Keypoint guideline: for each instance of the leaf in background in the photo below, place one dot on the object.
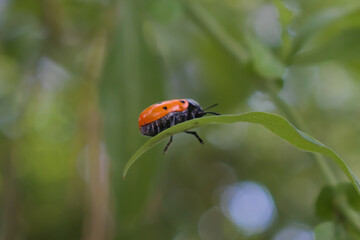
(285, 15)
(351, 196)
(315, 24)
(275, 123)
(327, 203)
(343, 47)
(285, 18)
(264, 61)
(325, 231)
(324, 205)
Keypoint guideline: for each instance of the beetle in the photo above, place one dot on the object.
(161, 116)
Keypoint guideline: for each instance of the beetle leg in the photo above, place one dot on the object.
(168, 144)
(195, 134)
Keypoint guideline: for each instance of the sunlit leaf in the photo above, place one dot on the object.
(275, 123)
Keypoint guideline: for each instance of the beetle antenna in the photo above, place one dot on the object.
(214, 113)
(214, 105)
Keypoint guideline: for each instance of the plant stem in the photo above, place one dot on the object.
(97, 198)
(217, 33)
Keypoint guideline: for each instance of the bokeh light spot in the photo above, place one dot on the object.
(296, 232)
(260, 101)
(249, 206)
(267, 26)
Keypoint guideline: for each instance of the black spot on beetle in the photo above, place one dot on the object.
(165, 107)
(182, 101)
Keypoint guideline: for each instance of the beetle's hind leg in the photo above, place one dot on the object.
(168, 144)
(195, 134)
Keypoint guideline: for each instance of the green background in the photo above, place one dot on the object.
(75, 75)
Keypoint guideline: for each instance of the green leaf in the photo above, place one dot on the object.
(343, 47)
(352, 197)
(265, 63)
(285, 15)
(325, 206)
(323, 20)
(325, 231)
(275, 123)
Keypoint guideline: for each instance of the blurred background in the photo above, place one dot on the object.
(76, 74)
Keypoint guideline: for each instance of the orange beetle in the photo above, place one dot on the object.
(160, 116)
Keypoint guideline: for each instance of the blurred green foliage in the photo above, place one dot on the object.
(75, 74)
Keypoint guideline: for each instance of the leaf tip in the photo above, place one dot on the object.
(125, 172)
